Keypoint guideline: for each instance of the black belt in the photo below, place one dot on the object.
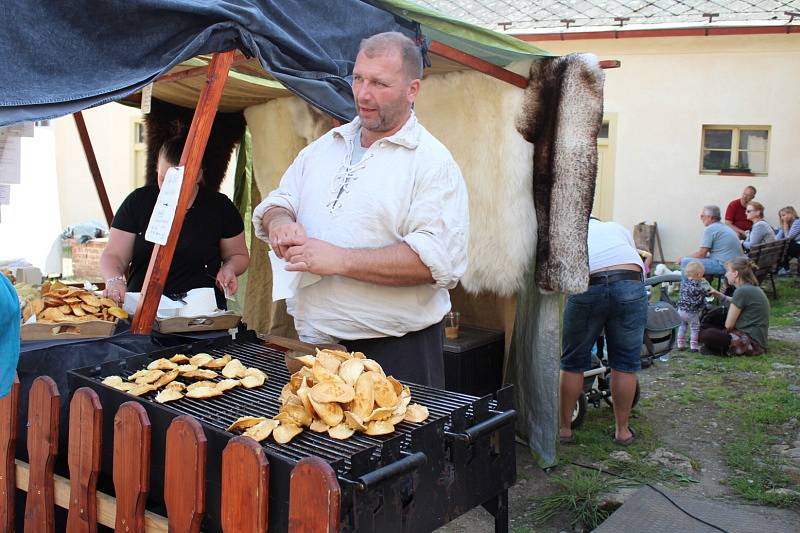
(610, 276)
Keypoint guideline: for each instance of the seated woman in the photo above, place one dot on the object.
(789, 229)
(210, 251)
(761, 231)
(747, 322)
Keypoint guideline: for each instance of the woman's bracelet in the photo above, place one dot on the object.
(115, 279)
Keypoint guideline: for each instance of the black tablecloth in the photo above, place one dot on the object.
(56, 358)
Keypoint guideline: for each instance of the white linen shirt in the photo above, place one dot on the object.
(406, 188)
(610, 244)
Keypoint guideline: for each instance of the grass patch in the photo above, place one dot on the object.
(578, 495)
(784, 312)
(593, 445)
(754, 472)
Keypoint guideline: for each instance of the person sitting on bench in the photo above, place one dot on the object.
(761, 231)
(789, 229)
(718, 244)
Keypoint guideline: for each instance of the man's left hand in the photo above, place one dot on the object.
(315, 256)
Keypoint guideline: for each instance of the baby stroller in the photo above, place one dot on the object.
(660, 333)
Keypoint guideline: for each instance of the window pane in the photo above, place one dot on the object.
(138, 135)
(718, 139)
(603, 134)
(755, 161)
(753, 140)
(716, 159)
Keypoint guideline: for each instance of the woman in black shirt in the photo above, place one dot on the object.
(211, 249)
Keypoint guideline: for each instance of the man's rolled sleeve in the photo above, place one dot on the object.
(285, 196)
(438, 225)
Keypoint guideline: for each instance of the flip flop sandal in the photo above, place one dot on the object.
(625, 442)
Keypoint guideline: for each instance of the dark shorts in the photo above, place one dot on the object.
(416, 357)
(619, 308)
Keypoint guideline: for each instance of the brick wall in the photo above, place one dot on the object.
(86, 258)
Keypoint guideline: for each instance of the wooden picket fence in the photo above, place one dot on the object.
(314, 496)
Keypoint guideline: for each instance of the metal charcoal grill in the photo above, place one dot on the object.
(416, 479)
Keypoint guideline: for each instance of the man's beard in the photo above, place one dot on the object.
(386, 120)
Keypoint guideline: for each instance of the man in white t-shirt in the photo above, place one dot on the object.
(378, 208)
(615, 305)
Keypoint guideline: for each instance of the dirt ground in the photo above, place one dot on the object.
(694, 428)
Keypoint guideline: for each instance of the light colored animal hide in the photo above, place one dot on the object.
(562, 116)
(473, 116)
(280, 129)
(307, 121)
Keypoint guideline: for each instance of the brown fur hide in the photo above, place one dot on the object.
(561, 116)
(166, 120)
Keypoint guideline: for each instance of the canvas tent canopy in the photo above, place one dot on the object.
(92, 56)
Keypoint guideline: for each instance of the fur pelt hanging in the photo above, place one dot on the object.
(562, 114)
(167, 120)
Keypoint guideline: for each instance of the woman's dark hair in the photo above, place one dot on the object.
(744, 267)
(172, 149)
(166, 121)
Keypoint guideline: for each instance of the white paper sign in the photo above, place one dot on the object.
(10, 154)
(5, 194)
(164, 211)
(147, 98)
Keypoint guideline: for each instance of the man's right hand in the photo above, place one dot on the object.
(283, 234)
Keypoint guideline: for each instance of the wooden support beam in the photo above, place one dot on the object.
(106, 505)
(192, 156)
(610, 63)
(453, 54)
(197, 71)
(93, 167)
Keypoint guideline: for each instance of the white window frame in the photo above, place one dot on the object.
(734, 149)
(137, 148)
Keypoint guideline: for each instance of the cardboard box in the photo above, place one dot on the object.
(186, 324)
(67, 330)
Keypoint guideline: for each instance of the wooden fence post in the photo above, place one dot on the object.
(43, 413)
(83, 456)
(9, 408)
(131, 466)
(185, 475)
(245, 485)
(314, 497)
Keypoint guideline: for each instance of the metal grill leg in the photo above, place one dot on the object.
(498, 506)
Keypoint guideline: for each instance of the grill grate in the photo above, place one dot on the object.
(221, 411)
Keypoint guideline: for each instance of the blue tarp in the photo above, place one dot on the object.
(63, 56)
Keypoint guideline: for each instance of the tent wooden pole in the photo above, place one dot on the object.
(93, 167)
(453, 54)
(196, 71)
(191, 158)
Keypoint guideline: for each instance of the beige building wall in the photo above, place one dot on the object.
(666, 90)
(111, 130)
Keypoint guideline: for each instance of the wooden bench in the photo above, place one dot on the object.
(767, 258)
